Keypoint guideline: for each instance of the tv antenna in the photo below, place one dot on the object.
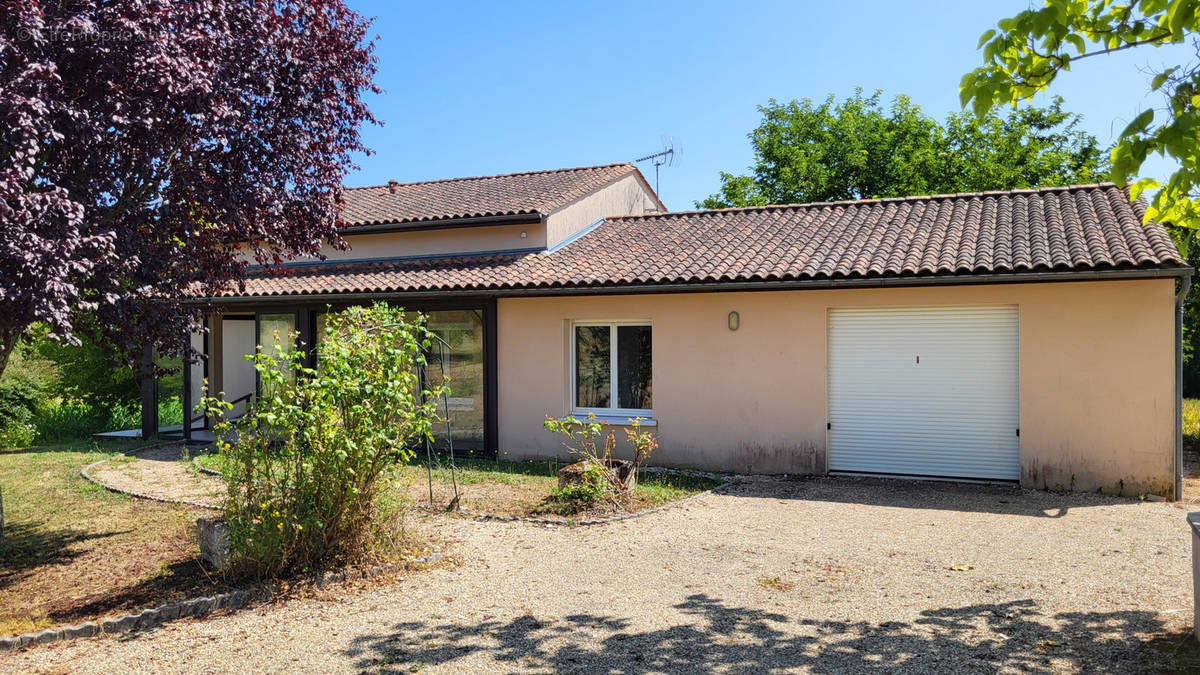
(664, 158)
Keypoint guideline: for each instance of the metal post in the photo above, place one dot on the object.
(449, 428)
(187, 390)
(428, 444)
(149, 394)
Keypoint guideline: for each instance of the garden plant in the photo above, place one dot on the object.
(596, 478)
(313, 468)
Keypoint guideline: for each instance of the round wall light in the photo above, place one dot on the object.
(735, 321)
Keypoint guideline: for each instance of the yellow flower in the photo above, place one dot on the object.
(299, 527)
(279, 525)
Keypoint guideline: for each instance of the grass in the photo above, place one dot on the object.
(73, 551)
(1191, 420)
(513, 488)
(520, 488)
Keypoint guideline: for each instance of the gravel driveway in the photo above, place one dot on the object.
(820, 575)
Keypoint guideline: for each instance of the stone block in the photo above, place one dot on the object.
(84, 630)
(213, 534)
(47, 636)
(120, 624)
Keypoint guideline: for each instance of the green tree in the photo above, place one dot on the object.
(1025, 53)
(808, 152)
(86, 371)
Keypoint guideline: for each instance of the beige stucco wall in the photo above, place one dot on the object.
(475, 239)
(1096, 376)
(440, 242)
(624, 197)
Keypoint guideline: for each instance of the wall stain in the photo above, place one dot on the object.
(805, 458)
(1063, 476)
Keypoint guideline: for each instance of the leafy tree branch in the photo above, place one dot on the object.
(1024, 54)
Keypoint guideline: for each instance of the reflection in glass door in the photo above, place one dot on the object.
(463, 332)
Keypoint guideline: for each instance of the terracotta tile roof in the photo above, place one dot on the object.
(532, 192)
(1091, 227)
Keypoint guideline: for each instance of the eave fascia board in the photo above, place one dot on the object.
(725, 286)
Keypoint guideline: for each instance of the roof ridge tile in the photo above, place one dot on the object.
(514, 174)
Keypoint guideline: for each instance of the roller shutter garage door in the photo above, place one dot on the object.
(924, 391)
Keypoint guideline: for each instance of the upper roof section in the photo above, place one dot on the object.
(513, 194)
(1084, 227)
(1051, 230)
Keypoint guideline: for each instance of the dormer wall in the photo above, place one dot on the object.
(627, 196)
(444, 241)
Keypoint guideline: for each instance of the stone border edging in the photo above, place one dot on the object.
(137, 621)
(86, 473)
(193, 608)
(204, 469)
(188, 609)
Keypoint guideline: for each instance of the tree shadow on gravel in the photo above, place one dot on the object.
(976, 638)
(921, 494)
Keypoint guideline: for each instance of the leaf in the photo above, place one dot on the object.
(983, 39)
(1161, 78)
(1139, 123)
(961, 567)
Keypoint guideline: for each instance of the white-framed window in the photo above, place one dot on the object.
(611, 368)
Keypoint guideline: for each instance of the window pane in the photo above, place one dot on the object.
(463, 332)
(633, 367)
(593, 362)
(283, 326)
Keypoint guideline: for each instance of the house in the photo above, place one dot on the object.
(1028, 336)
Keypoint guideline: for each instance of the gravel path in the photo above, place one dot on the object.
(821, 575)
(161, 471)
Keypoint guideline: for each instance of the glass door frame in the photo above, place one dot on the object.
(306, 325)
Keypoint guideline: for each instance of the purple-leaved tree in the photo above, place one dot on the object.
(143, 142)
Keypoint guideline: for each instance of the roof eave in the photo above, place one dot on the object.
(1171, 272)
(527, 218)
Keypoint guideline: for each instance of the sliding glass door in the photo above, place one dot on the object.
(459, 356)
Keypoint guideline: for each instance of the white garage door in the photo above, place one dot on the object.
(924, 391)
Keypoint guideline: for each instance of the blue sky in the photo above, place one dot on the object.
(487, 87)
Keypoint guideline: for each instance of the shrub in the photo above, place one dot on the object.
(69, 420)
(16, 434)
(88, 373)
(592, 489)
(599, 477)
(312, 468)
(19, 400)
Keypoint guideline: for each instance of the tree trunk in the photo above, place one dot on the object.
(8, 341)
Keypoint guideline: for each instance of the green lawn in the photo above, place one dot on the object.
(519, 488)
(73, 551)
(1191, 420)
